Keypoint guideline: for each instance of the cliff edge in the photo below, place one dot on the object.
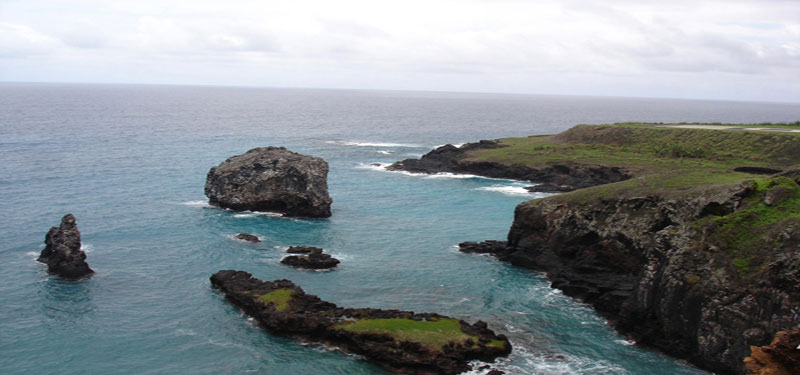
(697, 254)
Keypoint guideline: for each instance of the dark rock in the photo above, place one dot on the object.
(495, 371)
(560, 177)
(271, 179)
(655, 274)
(756, 170)
(303, 249)
(62, 252)
(314, 258)
(306, 317)
(248, 237)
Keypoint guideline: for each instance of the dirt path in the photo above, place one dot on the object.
(689, 126)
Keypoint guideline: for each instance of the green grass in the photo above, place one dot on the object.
(279, 298)
(741, 234)
(433, 334)
(648, 149)
(499, 344)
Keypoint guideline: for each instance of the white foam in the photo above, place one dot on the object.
(34, 254)
(372, 144)
(384, 152)
(87, 248)
(625, 342)
(507, 190)
(374, 166)
(196, 204)
(249, 214)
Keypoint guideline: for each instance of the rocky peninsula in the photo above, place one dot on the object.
(401, 341)
(271, 179)
(694, 253)
(62, 252)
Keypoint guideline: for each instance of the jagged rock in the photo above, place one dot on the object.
(781, 357)
(654, 268)
(62, 252)
(248, 237)
(314, 258)
(560, 177)
(302, 249)
(271, 179)
(485, 247)
(282, 307)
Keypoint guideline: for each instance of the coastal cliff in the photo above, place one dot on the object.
(696, 254)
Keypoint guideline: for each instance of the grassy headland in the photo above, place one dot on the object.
(667, 159)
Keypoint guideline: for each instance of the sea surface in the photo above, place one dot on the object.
(130, 163)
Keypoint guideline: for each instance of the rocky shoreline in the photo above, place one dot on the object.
(658, 267)
(557, 177)
(401, 341)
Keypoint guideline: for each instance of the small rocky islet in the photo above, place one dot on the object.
(271, 179)
(401, 341)
(310, 257)
(62, 252)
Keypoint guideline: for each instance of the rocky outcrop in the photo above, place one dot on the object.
(557, 177)
(248, 237)
(62, 252)
(394, 339)
(781, 357)
(690, 275)
(271, 179)
(314, 259)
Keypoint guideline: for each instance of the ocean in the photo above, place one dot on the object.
(130, 163)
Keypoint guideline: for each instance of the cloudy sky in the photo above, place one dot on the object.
(730, 49)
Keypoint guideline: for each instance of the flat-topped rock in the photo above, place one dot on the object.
(314, 258)
(401, 341)
(62, 253)
(271, 179)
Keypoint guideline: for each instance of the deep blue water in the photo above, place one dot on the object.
(130, 163)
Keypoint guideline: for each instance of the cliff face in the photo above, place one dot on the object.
(678, 273)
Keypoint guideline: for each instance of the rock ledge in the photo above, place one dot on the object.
(401, 341)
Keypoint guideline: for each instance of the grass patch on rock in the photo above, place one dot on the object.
(433, 334)
(279, 298)
(742, 234)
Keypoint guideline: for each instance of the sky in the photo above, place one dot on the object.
(728, 50)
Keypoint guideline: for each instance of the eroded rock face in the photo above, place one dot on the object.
(781, 357)
(282, 307)
(314, 258)
(62, 252)
(649, 266)
(560, 177)
(271, 179)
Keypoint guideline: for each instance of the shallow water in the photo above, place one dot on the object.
(130, 163)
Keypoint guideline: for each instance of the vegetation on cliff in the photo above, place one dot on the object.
(695, 253)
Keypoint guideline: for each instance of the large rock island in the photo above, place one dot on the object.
(271, 179)
(697, 254)
(401, 341)
(62, 252)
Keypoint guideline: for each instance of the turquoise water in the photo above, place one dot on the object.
(130, 163)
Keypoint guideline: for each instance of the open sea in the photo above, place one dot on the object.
(130, 163)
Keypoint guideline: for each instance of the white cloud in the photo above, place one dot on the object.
(542, 46)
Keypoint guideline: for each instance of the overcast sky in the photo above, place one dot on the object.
(730, 49)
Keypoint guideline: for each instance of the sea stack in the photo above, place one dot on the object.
(62, 252)
(271, 179)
